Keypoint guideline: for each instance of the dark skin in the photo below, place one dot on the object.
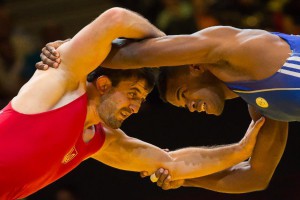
(248, 176)
(227, 54)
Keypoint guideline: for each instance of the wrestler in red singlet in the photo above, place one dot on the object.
(37, 149)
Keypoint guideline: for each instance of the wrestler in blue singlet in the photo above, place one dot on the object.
(276, 97)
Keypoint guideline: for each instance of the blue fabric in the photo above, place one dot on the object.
(277, 97)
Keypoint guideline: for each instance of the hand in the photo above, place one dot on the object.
(49, 56)
(164, 179)
(254, 113)
(249, 140)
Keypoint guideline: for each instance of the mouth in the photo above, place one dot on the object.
(124, 114)
(202, 107)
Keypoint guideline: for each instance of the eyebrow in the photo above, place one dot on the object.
(136, 89)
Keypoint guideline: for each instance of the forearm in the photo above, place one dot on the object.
(198, 162)
(133, 54)
(254, 174)
(131, 154)
(241, 180)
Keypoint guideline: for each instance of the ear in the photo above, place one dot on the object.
(196, 70)
(103, 84)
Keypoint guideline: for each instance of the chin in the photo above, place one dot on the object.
(216, 112)
(114, 124)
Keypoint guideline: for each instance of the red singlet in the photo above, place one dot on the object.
(37, 149)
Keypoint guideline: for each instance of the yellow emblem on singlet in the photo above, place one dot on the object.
(261, 102)
(70, 155)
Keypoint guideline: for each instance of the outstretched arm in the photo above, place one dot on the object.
(252, 175)
(123, 152)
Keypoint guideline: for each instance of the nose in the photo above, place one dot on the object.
(191, 106)
(135, 107)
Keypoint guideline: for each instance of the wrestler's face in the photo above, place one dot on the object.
(121, 101)
(200, 92)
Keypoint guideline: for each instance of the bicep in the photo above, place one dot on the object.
(87, 49)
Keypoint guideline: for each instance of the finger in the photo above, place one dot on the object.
(143, 174)
(41, 66)
(162, 178)
(260, 122)
(164, 175)
(166, 185)
(48, 62)
(51, 55)
(153, 178)
(167, 179)
(255, 126)
(51, 47)
(159, 172)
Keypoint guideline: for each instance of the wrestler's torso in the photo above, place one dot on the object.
(278, 96)
(244, 54)
(38, 149)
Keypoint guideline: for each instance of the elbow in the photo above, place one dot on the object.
(260, 182)
(115, 15)
(263, 185)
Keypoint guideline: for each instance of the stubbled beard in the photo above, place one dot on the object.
(107, 112)
(112, 122)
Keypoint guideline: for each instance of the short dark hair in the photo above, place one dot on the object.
(117, 75)
(162, 83)
(165, 74)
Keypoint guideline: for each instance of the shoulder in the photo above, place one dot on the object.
(47, 90)
(112, 134)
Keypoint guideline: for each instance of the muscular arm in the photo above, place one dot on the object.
(89, 47)
(255, 174)
(204, 46)
(123, 152)
(79, 56)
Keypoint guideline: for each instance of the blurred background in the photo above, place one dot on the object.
(26, 26)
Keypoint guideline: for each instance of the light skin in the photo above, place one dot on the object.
(216, 55)
(248, 176)
(111, 105)
(256, 55)
(219, 54)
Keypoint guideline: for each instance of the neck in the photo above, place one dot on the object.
(92, 117)
(229, 94)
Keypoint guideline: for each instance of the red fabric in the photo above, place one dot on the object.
(37, 149)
